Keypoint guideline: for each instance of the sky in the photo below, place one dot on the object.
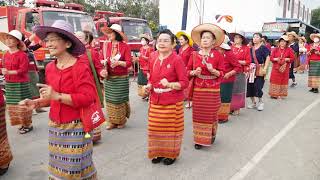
(312, 3)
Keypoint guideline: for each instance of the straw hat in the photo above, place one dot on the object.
(216, 30)
(16, 34)
(65, 28)
(303, 39)
(180, 33)
(114, 28)
(241, 34)
(294, 34)
(225, 44)
(284, 37)
(146, 36)
(312, 36)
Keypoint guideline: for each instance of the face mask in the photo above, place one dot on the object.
(143, 42)
(316, 40)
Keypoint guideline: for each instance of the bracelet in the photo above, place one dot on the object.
(60, 97)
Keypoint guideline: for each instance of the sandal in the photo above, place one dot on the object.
(4, 170)
(121, 126)
(20, 128)
(26, 130)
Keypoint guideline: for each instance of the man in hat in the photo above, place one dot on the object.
(292, 36)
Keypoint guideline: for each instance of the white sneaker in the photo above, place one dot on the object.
(252, 105)
(260, 106)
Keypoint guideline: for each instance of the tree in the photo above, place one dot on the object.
(315, 19)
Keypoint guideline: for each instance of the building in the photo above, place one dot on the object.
(248, 15)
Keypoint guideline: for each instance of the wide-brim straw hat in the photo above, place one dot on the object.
(65, 28)
(284, 37)
(146, 36)
(294, 34)
(312, 36)
(214, 29)
(181, 33)
(225, 44)
(16, 34)
(114, 28)
(241, 34)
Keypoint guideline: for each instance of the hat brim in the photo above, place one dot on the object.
(180, 33)
(78, 48)
(295, 35)
(108, 30)
(3, 37)
(244, 39)
(225, 46)
(146, 37)
(312, 36)
(214, 29)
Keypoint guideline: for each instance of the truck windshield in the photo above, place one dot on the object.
(133, 29)
(79, 21)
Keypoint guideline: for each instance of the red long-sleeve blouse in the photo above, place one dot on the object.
(313, 56)
(242, 54)
(144, 63)
(76, 81)
(230, 64)
(125, 52)
(282, 54)
(185, 54)
(196, 60)
(19, 62)
(95, 59)
(173, 69)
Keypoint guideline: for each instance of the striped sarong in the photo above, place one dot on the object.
(165, 130)
(16, 92)
(70, 153)
(117, 99)
(239, 92)
(96, 134)
(34, 79)
(314, 74)
(5, 152)
(226, 96)
(206, 103)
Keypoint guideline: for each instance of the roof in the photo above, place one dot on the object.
(127, 18)
(293, 20)
(270, 35)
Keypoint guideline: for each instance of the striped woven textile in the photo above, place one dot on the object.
(206, 103)
(239, 92)
(96, 134)
(276, 90)
(5, 152)
(34, 79)
(226, 96)
(165, 130)
(70, 153)
(19, 115)
(117, 89)
(314, 74)
(118, 113)
(16, 92)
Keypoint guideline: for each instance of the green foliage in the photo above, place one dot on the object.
(315, 19)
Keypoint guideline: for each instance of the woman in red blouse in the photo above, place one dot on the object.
(186, 49)
(118, 61)
(281, 57)
(206, 68)
(231, 68)
(242, 54)
(168, 78)
(143, 59)
(15, 65)
(92, 59)
(314, 63)
(69, 88)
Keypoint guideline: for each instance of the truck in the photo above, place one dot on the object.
(45, 12)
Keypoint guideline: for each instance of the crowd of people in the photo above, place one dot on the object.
(210, 71)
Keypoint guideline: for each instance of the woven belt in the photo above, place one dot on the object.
(206, 77)
(159, 90)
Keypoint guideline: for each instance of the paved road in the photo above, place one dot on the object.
(280, 143)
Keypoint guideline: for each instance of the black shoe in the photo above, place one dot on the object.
(3, 171)
(311, 90)
(316, 90)
(157, 160)
(222, 121)
(168, 161)
(197, 146)
(213, 139)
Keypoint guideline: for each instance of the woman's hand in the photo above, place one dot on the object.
(210, 67)
(287, 59)
(276, 59)
(104, 73)
(47, 92)
(242, 62)
(4, 71)
(164, 82)
(227, 75)
(198, 71)
(30, 104)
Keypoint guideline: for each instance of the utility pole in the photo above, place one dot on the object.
(185, 15)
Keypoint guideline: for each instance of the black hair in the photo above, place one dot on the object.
(185, 38)
(265, 37)
(257, 33)
(88, 36)
(167, 31)
(118, 36)
(148, 41)
(201, 34)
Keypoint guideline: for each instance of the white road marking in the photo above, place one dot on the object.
(244, 171)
